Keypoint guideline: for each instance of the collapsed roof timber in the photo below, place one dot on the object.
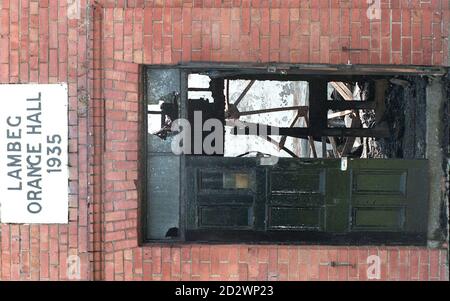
(309, 113)
(359, 115)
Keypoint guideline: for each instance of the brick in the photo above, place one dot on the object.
(114, 216)
(204, 271)
(185, 271)
(175, 259)
(263, 255)
(293, 273)
(274, 36)
(406, 51)
(345, 22)
(375, 34)
(426, 23)
(385, 23)
(393, 264)
(215, 35)
(427, 53)
(414, 265)
(324, 23)
(323, 273)
(253, 264)
(324, 49)
(245, 20)
(396, 37)
(265, 22)
(262, 272)
(284, 22)
(273, 264)
(406, 22)
(434, 263)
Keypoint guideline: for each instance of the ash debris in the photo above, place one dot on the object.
(404, 114)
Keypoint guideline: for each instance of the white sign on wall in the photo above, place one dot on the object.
(33, 153)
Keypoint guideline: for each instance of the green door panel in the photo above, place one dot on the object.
(225, 216)
(295, 198)
(383, 218)
(380, 181)
(337, 200)
(303, 181)
(298, 218)
(389, 195)
(220, 193)
(306, 195)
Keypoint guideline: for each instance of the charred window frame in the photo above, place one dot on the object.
(318, 75)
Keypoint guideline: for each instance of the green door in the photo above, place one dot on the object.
(305, 200)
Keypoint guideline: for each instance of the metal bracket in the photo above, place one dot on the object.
(335, 264)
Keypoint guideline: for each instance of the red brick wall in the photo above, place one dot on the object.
(40, 42)
(98, 52)
(314, 31)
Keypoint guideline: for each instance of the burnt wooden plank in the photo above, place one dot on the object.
(306, 132)
(317, 106)
(420, 118)
(350, 105)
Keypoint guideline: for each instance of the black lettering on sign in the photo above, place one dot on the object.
(34, 207)
(54, 152)
(34, 124)
(13, 152)
(28, 159)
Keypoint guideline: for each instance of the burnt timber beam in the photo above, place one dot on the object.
(284, 148)
(324, 147)
(283, 138)
(227, 94)
(333, 145)
(302, 109)
(199, 89)
(350, 141)
(342, 90)
(305, 132)
(250, 84)
(310, 139)
(318, 104)
(234, 68)
(339, 114)
(350, 105)
(336, 132)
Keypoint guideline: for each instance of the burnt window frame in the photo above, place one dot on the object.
(305, 71)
